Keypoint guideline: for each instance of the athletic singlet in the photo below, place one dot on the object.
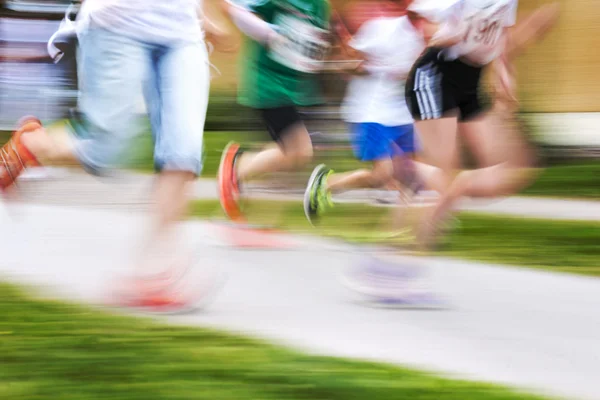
(483, 24)
(480, 23)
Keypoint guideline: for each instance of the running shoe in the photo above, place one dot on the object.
(153, 296)
(317, 198)
(172, 292)
(391, 284)
(228, 186)
(14, 156)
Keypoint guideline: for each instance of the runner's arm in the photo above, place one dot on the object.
(216, 29)
(358, 46)
(444, 35)
(439, 27)
(251, 24)
(531, 29)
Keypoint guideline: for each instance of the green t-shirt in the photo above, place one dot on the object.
(287, 74)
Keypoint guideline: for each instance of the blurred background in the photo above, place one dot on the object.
(559, 83)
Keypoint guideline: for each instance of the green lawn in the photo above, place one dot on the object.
(54, 350)
(575, 180)
(569, 246)
(580, 179)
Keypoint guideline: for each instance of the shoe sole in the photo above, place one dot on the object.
(226, 203)
(311, 181)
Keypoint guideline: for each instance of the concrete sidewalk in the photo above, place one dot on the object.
(131, 190)
(531, 329)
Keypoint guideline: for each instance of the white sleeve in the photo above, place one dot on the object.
(436, 11)
(451, 22)
(67, 30)
(365, 37)
(511, 17)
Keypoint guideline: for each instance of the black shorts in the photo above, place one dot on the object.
(437, 88)
(279, 120)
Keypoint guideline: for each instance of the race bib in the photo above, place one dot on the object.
(487, 26)
(305, 46)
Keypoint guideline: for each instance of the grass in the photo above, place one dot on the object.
(580, 180)
(54, 350)
(214, 142)
(566, 246)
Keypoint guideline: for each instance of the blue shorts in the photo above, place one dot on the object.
(372, 142)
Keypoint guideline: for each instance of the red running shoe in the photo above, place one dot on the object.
(14, 156)
(228, 186)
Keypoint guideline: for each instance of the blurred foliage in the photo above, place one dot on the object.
(54, 350)
(569, 246)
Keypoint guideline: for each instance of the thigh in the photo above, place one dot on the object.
(484, 141)
(438, 142)
(111, 71)
(180, 84)
(473, 107)
(286, 126)
(494, 140)
(280, 121)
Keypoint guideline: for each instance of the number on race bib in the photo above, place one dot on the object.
(486, 30)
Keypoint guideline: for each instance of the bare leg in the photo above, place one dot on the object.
(439, 146)
(506, 162)
(432, 177)
(294, 151)
(171, 196)
(51, 145)
(380, 175)
(439, 149)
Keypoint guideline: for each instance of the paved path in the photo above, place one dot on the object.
(514, 326)
(130, 190)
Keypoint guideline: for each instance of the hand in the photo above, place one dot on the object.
(222, 38)
(217, 29)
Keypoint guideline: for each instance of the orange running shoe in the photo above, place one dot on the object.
(229, 191)
(152, 295)
(14, 156)
(175, 291)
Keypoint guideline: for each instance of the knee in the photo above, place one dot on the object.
(299, 158)
(380, 177)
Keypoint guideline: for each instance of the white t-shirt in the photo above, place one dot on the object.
(483, 24)
(154, 21)
(391, 46)
(480, 23)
